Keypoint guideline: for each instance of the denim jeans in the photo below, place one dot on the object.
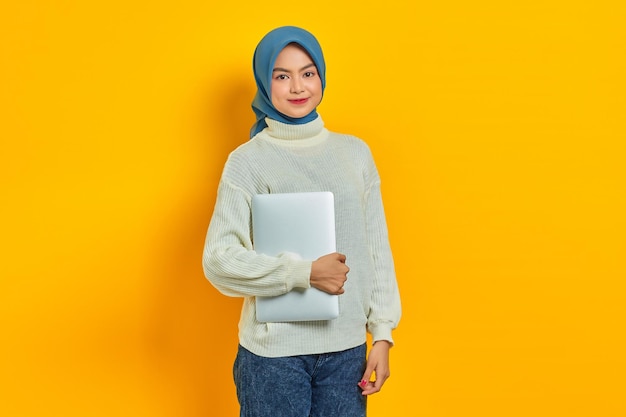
(323, 385)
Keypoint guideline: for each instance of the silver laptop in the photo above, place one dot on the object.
(302, 224)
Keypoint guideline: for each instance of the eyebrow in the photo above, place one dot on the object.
(301, 69)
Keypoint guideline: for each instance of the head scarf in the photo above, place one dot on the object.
(263, 63)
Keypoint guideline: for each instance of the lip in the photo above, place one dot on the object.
(299, 101)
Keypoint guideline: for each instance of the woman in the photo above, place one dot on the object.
(316, 368)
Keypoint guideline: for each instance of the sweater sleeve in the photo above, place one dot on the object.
(229, 261)
(385, 307)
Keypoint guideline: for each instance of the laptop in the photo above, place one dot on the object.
(302, 224)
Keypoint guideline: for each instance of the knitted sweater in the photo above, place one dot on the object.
(286, 158)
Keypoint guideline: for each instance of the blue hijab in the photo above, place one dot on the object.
(263, 63)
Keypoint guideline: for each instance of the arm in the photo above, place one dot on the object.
(235, 269)
(230, 262)
(385, 307)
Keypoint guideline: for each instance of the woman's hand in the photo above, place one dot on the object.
(329, 273)
(378, 363)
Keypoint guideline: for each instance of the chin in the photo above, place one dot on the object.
(297, 115)
(305, 112)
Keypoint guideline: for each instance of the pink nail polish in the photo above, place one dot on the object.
(363, 383)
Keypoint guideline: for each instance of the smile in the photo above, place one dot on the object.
(299, 101)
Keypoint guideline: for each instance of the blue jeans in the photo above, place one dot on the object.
(323, 385)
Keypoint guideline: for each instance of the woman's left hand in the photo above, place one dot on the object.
(378, 363)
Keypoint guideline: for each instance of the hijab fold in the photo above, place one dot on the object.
(265, 56)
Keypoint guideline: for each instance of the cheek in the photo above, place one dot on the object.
(316, 86)
(274, 93)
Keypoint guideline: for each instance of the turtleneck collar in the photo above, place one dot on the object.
(310, 133)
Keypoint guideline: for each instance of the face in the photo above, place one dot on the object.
(296, 85)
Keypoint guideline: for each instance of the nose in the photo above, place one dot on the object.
(296, 85)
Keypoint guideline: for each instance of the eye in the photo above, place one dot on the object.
(281, 77)
(309, 74)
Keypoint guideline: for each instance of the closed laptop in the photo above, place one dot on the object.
(302, 224)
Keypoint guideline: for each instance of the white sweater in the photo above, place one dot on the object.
(298, 158)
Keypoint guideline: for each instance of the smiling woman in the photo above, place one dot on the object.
(320, 368)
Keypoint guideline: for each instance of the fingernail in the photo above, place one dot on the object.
(363, 383)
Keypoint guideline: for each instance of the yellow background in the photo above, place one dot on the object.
(499, 132)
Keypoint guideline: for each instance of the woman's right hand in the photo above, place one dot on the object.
(329, 273)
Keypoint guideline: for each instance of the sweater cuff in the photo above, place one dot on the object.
(381, 331)
(300, 274)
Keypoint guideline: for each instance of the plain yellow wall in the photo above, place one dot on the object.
(499, 131)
